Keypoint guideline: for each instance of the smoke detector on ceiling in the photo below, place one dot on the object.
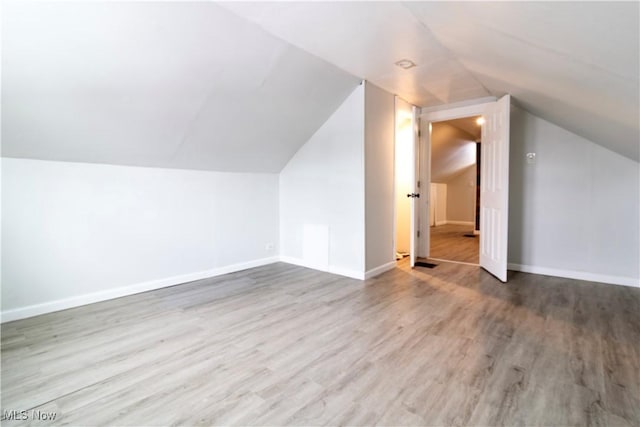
(406, 64)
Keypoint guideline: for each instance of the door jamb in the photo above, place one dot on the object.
(427, 118)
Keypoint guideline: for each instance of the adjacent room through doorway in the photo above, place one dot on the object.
(455, 190)
(404, 175)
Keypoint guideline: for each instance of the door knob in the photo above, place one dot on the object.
(414, 195)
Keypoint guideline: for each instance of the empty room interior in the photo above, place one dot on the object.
(320, 213)
(455, 189)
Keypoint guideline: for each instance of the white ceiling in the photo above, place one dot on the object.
(367, 39)
(573, 63)
(178, 85)
(469, 125)
(241, 86)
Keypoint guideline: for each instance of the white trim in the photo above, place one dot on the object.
(424, 171)
(353, 274)
(468, 108)
(395, 176)
(469, 223)
(328, 269)
(438, 223)
(578, 275)
(302, 263)
(380, 269)
(79, 300)
(469, 102)
(448, 113)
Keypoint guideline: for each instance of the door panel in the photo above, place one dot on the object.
(494, 189)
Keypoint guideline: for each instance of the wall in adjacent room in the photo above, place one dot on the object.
(438, 204)
(452, 150)
(461, 189)
(75, 233)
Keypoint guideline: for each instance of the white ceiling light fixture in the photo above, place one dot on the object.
(480, 121)
(406, 64)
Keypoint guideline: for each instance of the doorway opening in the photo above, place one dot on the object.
(455, 190)
(494, 180)
(405, 176)
(491, 206)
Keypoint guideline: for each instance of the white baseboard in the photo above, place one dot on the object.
(469, 223)
(578, 275)
(354, 274)
(76, 301)
(346, 272)
(445, 222)
(380, 269)
(79, 300)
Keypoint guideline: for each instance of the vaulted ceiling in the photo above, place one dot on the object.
(241, 86)
(575, 64)
(176, 85)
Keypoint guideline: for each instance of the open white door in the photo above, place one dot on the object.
(494, 188)
(415, 191)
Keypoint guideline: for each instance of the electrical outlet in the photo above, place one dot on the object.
(269, 246)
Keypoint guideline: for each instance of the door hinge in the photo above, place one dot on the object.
(418, 184)
(418, 233)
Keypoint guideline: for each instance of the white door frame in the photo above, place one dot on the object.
(426, 119)
(395, 178)
(415, 187)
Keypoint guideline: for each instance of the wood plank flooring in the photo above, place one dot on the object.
(449, 243)
(284, 345)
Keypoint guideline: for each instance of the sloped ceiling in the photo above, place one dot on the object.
(575, 64)
(469, 125)
(453, 150)
(241, 86)
(367, 39)
(572, 63)
(177, 85)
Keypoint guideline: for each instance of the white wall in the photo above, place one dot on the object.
(438, 204)
(461, 190)
(403, 165)
(379, 177)
(322, 195)
(576, 211)
(74, 233)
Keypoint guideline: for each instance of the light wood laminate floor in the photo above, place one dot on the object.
(448, 242)
(284, 345)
